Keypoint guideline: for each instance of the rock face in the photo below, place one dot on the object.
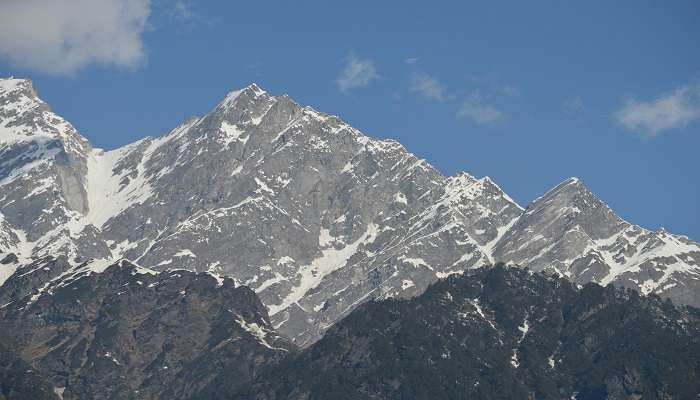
(499, 333)
(571, 232)
(311, 214)
(122, 332)
(43, 162)
(19, 381)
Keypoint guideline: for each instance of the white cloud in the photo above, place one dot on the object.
(475, 108)
(674, 109)
(428, 87)
(573, 106)
(60, 37)
(411, 60)
(357, 73)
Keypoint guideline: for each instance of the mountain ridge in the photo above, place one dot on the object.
(317, 216)
(122, 331)
(496, 333)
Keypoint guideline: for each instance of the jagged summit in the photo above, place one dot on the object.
(571, 201)
(237, 97)
(568, 187)
(12, 85)
(572, 181)
(461, 179)
(26, 118)
(309, 212)
(255, 88)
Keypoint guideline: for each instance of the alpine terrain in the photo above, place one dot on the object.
(308, 212)
(125, 332)
(498, 333)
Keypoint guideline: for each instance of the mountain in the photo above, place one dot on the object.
(572, 233)
(19, 381)
(314, 216)
(43, 163)
(122, 332)
(498, 333)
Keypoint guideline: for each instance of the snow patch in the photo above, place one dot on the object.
(257, 332)
(331, 259)
(185, 253)
(232, 133)
(400, 198)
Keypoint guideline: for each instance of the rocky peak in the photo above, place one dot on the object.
(312, 214)
(27, 119)
(243, 102)
(460, 181)
(574, 206)
(16, 87)
(252, 90)
(568, 190)
(467, 188)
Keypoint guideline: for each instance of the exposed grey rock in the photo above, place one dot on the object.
(43, 162)
(571, 232)
(313, 215)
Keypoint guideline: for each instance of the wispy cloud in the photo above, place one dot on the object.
(411, 60)
(357, 73)
(671, 110)
(493, 85)
(573, 106)
(481, 103)
(60, 37)
(427, 86)
(484, 101)
(477, 109)
(183, 13)
(182, 10)
(509, 90)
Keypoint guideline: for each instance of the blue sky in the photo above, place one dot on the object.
(528, 93)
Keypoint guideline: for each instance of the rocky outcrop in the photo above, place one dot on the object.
(19, 381)
(121, 331)
(499, 333)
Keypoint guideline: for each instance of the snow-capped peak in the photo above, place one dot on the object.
(460, 181)
(464, 184)
(11, 85)
(250, 91)
(572, 181)
(286, 192)
(24, 117)
(570, 184)
(568, 190)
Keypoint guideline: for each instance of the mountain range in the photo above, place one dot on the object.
(496, 332)
(307, 211)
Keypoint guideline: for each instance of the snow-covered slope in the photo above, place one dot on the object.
(306, 210)
(43, 163)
